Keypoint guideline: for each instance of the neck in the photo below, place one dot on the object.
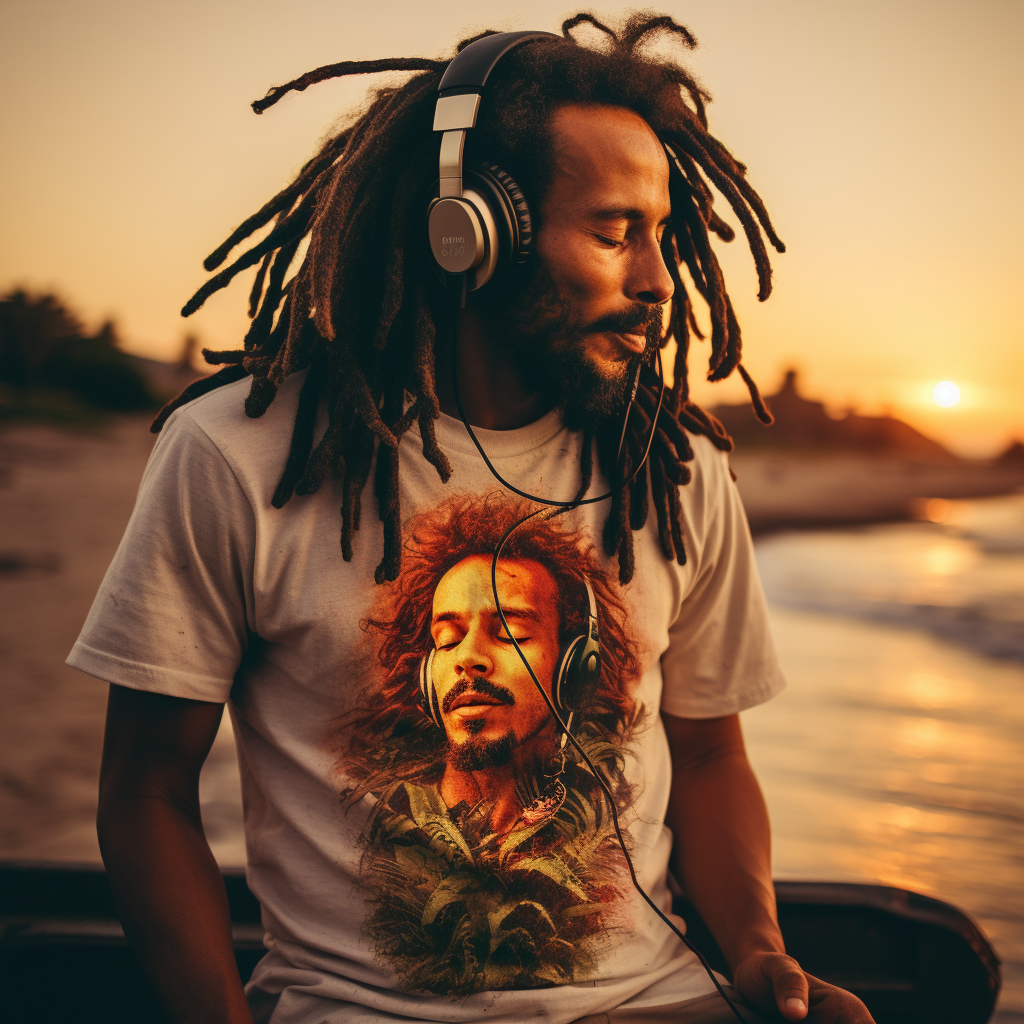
(494, 391)
(497, 786)
(494, 786)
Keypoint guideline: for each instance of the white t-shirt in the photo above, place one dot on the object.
(464, 868)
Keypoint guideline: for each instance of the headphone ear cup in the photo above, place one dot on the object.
(579, 671)
(510, 209)
(523, 242)
(562, 687)
(428, 695)
(578, 675)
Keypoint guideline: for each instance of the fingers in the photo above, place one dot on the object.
(765, 979)
(789, 985)
(835, 1004)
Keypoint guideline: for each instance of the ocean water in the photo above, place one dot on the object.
(958, 572)
(896, 755)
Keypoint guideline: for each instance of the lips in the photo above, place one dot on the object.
(473, 699)
(475, 691)
(635, 343)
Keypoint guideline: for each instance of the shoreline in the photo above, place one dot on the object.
(786, 490)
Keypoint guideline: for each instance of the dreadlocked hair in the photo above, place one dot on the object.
(363, 309)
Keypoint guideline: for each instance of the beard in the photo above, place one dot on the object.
(550, 338)
(476, 755)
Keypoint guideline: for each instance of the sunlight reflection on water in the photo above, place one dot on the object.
(895, 757)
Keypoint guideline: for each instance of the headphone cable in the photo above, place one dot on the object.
(576, 502)
(596, 772)
(565, 506)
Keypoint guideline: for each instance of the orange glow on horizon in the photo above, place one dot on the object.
(134, 152)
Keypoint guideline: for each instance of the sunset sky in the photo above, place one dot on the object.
(886, 138)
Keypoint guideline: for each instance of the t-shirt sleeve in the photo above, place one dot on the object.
(721, 657)
(175, 609)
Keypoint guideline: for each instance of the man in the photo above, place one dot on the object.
(229, 587)
(524, 885)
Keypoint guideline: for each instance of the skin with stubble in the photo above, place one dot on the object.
(496, 720)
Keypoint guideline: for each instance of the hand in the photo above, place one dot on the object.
(775, 981)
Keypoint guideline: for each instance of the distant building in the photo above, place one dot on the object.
(804, 424)
(1012, 457)
(165, 380)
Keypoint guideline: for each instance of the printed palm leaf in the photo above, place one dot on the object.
(451, 890)
(518, 837)
(606, 754)
(430, 814)
(594, 832)
(557, 870)
(525, 947)
(536, 913)
(412, 863)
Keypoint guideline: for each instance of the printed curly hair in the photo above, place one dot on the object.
(390, 713)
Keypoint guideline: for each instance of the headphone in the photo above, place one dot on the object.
(572, 685)
(480, 218)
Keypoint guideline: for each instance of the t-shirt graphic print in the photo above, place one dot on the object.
(490, 854)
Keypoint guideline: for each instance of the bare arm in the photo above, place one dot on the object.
(166, 883)
(722, 858)
(723, 848)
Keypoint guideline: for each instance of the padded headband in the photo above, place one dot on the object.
(472, 65)
(458, 101)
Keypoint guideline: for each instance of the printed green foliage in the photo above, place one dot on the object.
(557, 870)
(458, 909)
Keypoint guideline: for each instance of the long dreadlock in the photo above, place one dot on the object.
(362, 311)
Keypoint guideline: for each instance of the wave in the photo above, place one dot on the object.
(981, 627)
(959, 575)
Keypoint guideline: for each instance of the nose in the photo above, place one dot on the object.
(473, 657)
(650, 280)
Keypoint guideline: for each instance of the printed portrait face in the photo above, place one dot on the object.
(489, 704)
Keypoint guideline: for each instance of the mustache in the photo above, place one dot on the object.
(477, 685)
(638, 318)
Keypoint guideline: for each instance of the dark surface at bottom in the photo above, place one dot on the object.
(912, 959)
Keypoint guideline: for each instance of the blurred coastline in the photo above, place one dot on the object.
(894, 756)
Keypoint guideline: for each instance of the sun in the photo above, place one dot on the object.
(946, 394)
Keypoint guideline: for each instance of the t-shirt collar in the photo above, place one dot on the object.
(500, 444)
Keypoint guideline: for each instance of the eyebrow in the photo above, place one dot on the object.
(510, 613)
(446, 617)
(631, 213)
(519, 613)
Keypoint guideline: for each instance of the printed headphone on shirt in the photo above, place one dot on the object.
(480, 218)
(573, 683)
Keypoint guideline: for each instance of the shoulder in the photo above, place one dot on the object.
(711, 481)
(218, 420)
(220, 413)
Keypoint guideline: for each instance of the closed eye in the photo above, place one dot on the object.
(611, 243)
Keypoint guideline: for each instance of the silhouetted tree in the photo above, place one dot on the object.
(44, 346)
